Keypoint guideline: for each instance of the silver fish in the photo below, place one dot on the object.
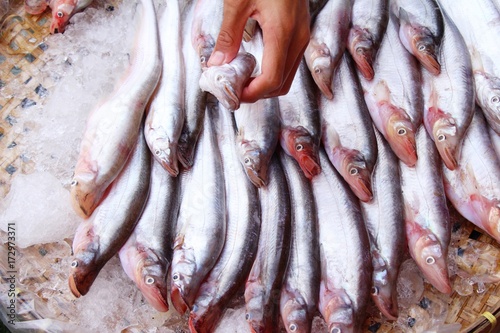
(202, 220)
(474, 187)
(196, 99)
(328, 41)
(98, 239)
(166, 113)
(369, 21)
(300, 288)
(347, 131)
(258, 134)
(479, 23)
(147, 255)
(449, 96)
(495, 140)
(427, 220)
(205, 27)
(300, 122)
(242, 233)
(346, 268)
(385, 224)
(396, 113)
(113, 126)
(264, 281)
(421, 30)
(226, 82)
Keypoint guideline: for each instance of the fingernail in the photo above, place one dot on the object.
(216, 59)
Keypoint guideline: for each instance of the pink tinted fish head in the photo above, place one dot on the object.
(60, 17)
(294, 314)
(299, 144)
(447, 141)
(401, 137)
(356, 173)
(362, 50)
(320, 65)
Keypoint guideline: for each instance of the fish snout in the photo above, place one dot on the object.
(177, 296)
(359, 180)
(309, 165)
(154, 290)
(386, 300)
(81, 277)
(425, 52)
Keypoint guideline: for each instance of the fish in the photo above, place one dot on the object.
(495, 140)
(114, 125)
(205, 27)
(344, 252)
(478, 23)
(347, 131)
(226, 82)
(202, 220)
(257, 137)
(147, 254)
(300, 132)
(264, 281)
(384, 222)
(426, 215)
(473, 188)
(242, 232)
(195, 98)
(328, 41)
(63, 10)
(315, 7)
(449, 97)
(166, 113)
(35, 7)
(369, 21)
(300, 286)
(98, 239)
(421, 30)
(396, 113)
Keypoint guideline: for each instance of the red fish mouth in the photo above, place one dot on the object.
(448, 157)
(429, 61)
(387, 302)
(153, 295)
(309, 165)
(255, 178)
(325, 86)
(178, 301)
(361, 185)
(364, 60)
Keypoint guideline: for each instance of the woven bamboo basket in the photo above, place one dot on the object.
(22, 43)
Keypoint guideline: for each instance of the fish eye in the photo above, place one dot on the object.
(495, 99)
(149, 280)
(292, 327)
(175, 277)
(247, 316)
(74, 263)
(74, 182)
(317, 70)
(401, 131)
(60, 14)
(441, 137)
(336, 330)
(247, 160)
(430, 260)
(421, 47)
(202, 59)
(353, 171)
(374, 291)
(218, 77)
(299, 147)
(157, 152)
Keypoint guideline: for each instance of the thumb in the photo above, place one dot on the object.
(230, 34)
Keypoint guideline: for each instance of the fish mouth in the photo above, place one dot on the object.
(427, 58)
(430, 258)
(309, 165)
(178, 300)
(323, 74)
(156, 296)
(361, 185)
(231, 100)
(448, 156)
(185, 155)
(256, 178)
(387, 302)
(80, 282)
(363, 58)
(405, 148)
(168, 160)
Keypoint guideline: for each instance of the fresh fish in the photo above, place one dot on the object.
(147, 255)
(114, 125)
(386, 230)
(264, 281)
(427, 219)
(242, 233)
(166, 113)
(449, 96)
(421, 29)
(369, 21)
(300, 287)
(226, 82)
(347, 131)
(396, 113)
(101, 237)
(479, 23)
(315, 7)
(202, 220)
(35, 7)
(196, 99)
(205, 28)
(328, 41)
(300, 123)
(474, 187)
(63, 10)
(258, 134)
(346, 268)
(495, 141)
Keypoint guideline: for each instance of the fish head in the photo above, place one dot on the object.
(256, 170)
(488, 93)
(85, 196)
(299, 144)
(218, 80)
(425, 49)
(338, 312)
(166, 153)
(401, 137)
(430, 257)
(295, 315)
(84, 267)
(362, 49)
(183, 268)
(444, 132)
(357, 174)
(203, 319)
(320, 63)
(255, 307)
(488, 214)
(60, 17)
(383, 291)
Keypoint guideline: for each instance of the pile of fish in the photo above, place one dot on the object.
(62, 11)
(308, 200)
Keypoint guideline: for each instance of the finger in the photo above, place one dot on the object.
(230, 34)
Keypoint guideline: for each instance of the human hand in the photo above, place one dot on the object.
(285, 30)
